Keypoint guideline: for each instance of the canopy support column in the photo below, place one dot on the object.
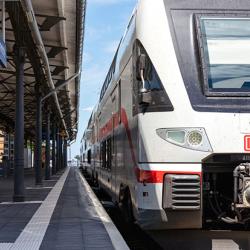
(60, 152)
(38, 145)
(19, 191)
(53, 148)
(65, 153)
(47, 152)
(57, 150)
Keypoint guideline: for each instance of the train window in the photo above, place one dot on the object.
(152, 81)
(159, 100)
(103, 154)
(106, 154)
(89, 156)
(109, 153)
(226, 49)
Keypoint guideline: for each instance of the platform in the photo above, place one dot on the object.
(64, 213)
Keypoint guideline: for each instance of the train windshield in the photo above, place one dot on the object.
(226, 47)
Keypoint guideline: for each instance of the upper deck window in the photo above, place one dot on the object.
(226, 54)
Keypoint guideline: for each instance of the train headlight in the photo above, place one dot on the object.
(194, 138)
(176, 136)
(191, 138)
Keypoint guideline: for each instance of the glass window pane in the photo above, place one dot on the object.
(226, 44)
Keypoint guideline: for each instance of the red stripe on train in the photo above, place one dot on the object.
(151, 176)
(114, 123)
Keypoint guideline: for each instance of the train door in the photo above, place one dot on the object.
(115, 122)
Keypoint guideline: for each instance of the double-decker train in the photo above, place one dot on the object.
(169, 139)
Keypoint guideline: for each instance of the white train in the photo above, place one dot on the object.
(170, 136)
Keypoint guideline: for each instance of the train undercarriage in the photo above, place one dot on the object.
(226, 191)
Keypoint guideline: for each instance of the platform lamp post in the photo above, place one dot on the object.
(40, 101)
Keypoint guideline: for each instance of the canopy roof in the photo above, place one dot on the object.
(61, 28)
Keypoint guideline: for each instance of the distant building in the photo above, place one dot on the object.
(9, 146)
(8, 150)
(1, 145)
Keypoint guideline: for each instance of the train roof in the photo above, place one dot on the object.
(208, 5)
(111, 73)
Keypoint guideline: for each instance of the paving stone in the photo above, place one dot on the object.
(73, 225)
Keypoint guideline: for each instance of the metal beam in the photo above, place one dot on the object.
(49, 22)
(45, 45)
(60, 85)
(58, 70)
(10, 72)
(6, 119)
(54, 51)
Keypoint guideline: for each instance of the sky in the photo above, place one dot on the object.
(105, 23)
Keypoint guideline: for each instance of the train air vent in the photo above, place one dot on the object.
(181, 192)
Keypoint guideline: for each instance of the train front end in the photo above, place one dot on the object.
(193, 66)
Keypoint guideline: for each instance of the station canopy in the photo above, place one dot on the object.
(60, 26)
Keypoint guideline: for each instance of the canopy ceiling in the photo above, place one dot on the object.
(61, 26)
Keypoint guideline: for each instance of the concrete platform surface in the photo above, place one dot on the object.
(62, 214)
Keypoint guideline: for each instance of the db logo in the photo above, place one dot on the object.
(247, 143)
